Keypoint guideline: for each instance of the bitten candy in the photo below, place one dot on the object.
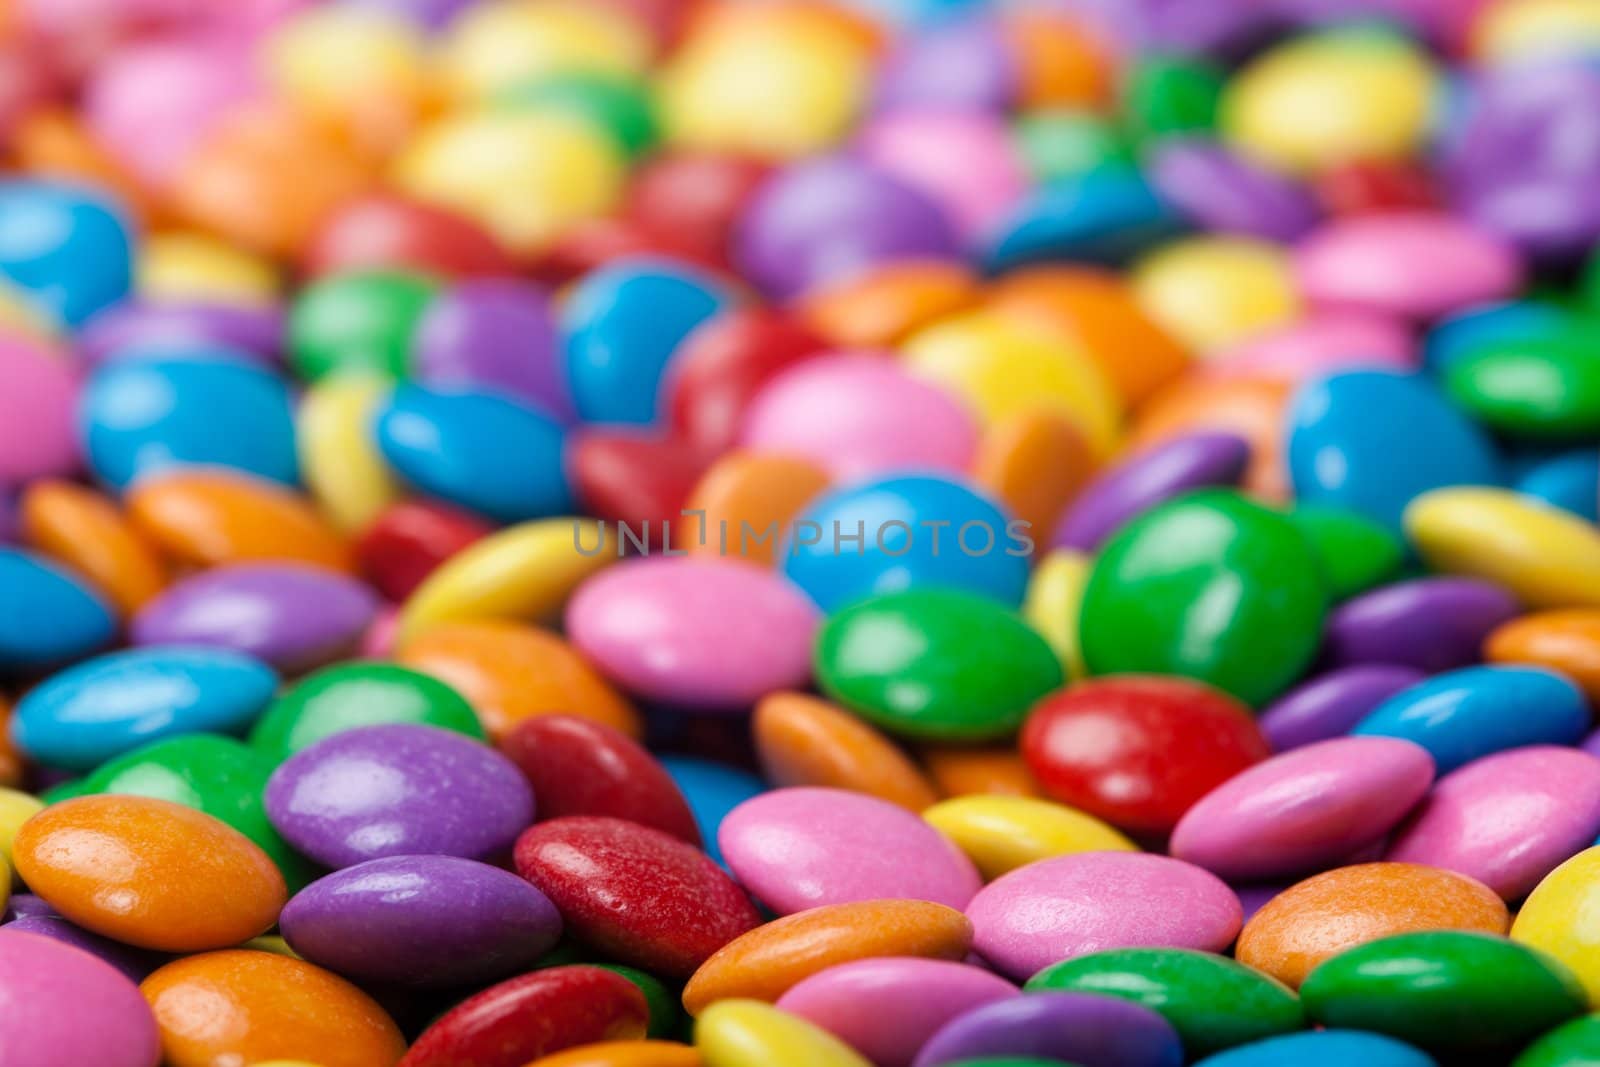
(66, 1008)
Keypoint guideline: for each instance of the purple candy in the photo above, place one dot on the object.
(1432, 624)
(294, 617)
(962, 65)
(1331, 704)
(497, 333)
(132, 328)
(1591, 744)
(1146, 479)
(1080, 1028)
(398, 790)
(421, 921)
(1222, 191)
(135, 963)
(23, 905)
(1252, 898)
(828, 218)
(429, 14)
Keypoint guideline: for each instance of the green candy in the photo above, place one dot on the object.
(1166, 96)
(1446, 990)
(1068, 144)
(935, 664)
(1546, 388)
(351, 695)
(1213, 1002)
(217, 775)
(1208, 586)
(619, 107)
(361, 321)
(665, 1014)
(1356, 553)
(1574, 1044)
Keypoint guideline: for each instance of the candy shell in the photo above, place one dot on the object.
(347, 696)
(149, 873)
(1331, 704)
(205, 518)
(1035, 463)
(37, 389)
(1213, 292)
(386, 232)
(1303, 809)
(1001, 833)
(55, 617)
(768, 961)
(1146, 479)
(1327, 1048)
(978, 771)
(66, 247)
(1319, 344)
(1250, 406)
(57, 983)
(85, 531)
(1431, 624)
(411, 540)
(363, 321)
(742, 496)
(1053, 603)
(1107, 215)
(1069, 906)
(1567, 642)
(338, 456)
(1324, 915)
(1570, 481)
(623, 1054)
(745, 1033)
(882, 306)
(1094, 1030)
(803, 741)
(1546, 557)
(1356, 553)
(713, 790)
(245, 1006)
(1556, 917)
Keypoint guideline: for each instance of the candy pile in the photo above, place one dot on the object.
(799, 533)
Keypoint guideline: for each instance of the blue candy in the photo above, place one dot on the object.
(1109, 215)
(914, 532)
(481, 450)
(1570, 481)
(622, 324)
(78, 719)
(712, 790)
(48, 616)
(1462, 715)
(66, 247)
(1371, 440)
(1325, 1048)
(1461, 334)
(143, 415)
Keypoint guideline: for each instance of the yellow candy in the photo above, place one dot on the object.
(1211, 292)
(1521, 29)
(16, 808)
(193, 266)
(1547, 557)
(525, 572)
(526, 176)
(1562, 917)
(748, 1033)
(272, 943)
(780, 82)
(1333, 98)
(1051, 605)
(341, 464)
(1000, 833)
(1001, 367)
(495, 46)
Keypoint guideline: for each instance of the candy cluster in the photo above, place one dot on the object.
(799, 533)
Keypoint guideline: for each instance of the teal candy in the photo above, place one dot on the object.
(81, 717)
(1570, 481)
(1325, 1048)
(1464, 333)
(622, 324)
(66, 247)
(1068, 144)
(712, 790)
(1109, 215)
(49, 616)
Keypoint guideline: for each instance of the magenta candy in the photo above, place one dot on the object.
(38, 395)
(1507, 819)
(135, 963)
(135, 328)
(1304, 810)
(1088, 1029)
(917, 147)
(1331, 704)
(806, 848)
(1224, 192)
(1069, 906)
(1431, 624)
(293, 617)
(1148, 478)
(1321, 344)
(65, 1008)
(887, 1009)
(497, 334)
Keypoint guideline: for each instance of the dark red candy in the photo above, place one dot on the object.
(635, 894)
(589, 245)
(581, 767)
(636, 476)
(533, 1015)
(406, 543)
(1138, 751)
(395, 233)
(694, 198)
(1373, 187)
(723, 364)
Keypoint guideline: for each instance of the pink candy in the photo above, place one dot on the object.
(38, 391)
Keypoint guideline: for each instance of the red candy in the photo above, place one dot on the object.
(592, 244)
(694, 199)
(637, 895)
(521, 1019)
(1374, 187)
(395, 233)
(406, 543)
(1139, 751)
(581, 767)
(635, 477)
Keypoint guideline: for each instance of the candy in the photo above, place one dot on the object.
(712, 790)
(38, 390)
(1224, 191)
(1052, 604)
(412, 539)
(421, 920)
(1146, 479)
(1106, 215)
(1214, 292)
(251, 1006)
(1091, 1029)
(802, 741)
(56, 618)
(351, 695)
(339, 461)
(56, 982)
(912, 145)
(66, 248)
(1570, 1042)
(1432, 624)
(1356, 552)
(1322, 916)
(1543, 555)
(1570, 481)
(625, 1054)
(378, 232)
(1329, 705)
(1555, 918)
(1336, 1048)
(1562, 641)
(743, 1033)
(149, 873)
(205, 518)
(1034, 463)
(1069, 906)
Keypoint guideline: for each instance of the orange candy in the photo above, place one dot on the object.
(1253, 408)
(149, 872)
(745, 493)
(1349, 906)
(963, 772)
(84, 530)
(204, 518)
(624, 1054)
(10, 758)
(1566, 641)
(53, 142)
(766, 962)
(1060, 62)
(882, 307)
(510, 672)
(1097, 310)
(802, 740)
(243, 1007)
(1035, 463)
